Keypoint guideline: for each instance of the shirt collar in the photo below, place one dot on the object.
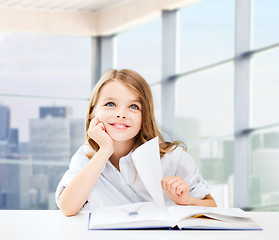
(127, 158)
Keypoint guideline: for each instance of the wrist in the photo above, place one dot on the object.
(192, 201)
(108, 151)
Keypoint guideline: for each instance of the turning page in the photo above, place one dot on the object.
(148, 164)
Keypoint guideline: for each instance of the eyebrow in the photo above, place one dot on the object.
(114, 99)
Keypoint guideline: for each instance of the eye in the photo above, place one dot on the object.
(134, 106)
(110, 104)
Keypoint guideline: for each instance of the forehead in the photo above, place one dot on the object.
(117, 90)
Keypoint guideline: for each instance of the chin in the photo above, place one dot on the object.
(121, 138)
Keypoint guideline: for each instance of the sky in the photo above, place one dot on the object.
(60, 66)
(43, 65)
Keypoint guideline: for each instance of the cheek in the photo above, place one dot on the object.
(101, 114)
(139, 121)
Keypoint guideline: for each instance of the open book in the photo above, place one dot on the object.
(147, 215)
(152, 215)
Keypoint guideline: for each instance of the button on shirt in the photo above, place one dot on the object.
(125, 186)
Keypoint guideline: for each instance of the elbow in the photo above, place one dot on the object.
(67, 209)
(68, 212)
(214, 203)
(211, 201)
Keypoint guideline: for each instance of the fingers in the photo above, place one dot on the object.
(168, 181)
(174, 185)
(182, 188)
(95, 127)
(94, 122)
(101, 125)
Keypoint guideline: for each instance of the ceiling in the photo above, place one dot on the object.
(62, 5)
(81, 17)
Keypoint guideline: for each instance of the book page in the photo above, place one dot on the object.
(203, 223)
(182, 212)
(212, 218)
(125, 215)
(148, 164)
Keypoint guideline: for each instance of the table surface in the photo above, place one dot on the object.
(52, 224)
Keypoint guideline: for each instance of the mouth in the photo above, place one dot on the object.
(119, 125)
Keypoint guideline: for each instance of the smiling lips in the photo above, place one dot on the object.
(119, 125)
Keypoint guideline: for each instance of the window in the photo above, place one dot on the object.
(264, 140)
(263, 181)
(215, 159)
(204, 104)
(45, 86)
(206, 33)
(265, 19)
(265, 89)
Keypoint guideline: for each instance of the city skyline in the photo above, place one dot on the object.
(29, 180)
(55, 137)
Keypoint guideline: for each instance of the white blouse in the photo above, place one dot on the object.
(125, 186)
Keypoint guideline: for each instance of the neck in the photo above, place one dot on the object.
(121, 149)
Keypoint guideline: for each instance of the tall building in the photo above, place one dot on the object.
(53, 140)
(10, 186)
(4, 122)
(14, 183)
(4, 129)
(13, 143)
(212, 169)
(49, 139)
(14, 176)
(77, 134)
(55, 112)
(271, 140)
(228, 158)
(8, 136)
(50, 150)
(264, 161)
(265, 176)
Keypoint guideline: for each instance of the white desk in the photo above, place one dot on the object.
(46, 224)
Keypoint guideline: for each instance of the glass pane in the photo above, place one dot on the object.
(206, 31)
(215, 160)
(139, 49)
(36, 151)
(46, 65)
(39, 134)
(204, 104)
(264, 178)
(265, 89)
(265, 26)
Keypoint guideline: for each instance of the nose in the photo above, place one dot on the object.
(120, 114)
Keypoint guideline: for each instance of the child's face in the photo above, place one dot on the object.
(120, 111)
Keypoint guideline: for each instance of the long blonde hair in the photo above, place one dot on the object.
(140, 87)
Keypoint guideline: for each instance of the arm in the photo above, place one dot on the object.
(78, 190)
(208, 201)
(179, 192)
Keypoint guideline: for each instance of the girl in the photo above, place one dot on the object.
(120, 118)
